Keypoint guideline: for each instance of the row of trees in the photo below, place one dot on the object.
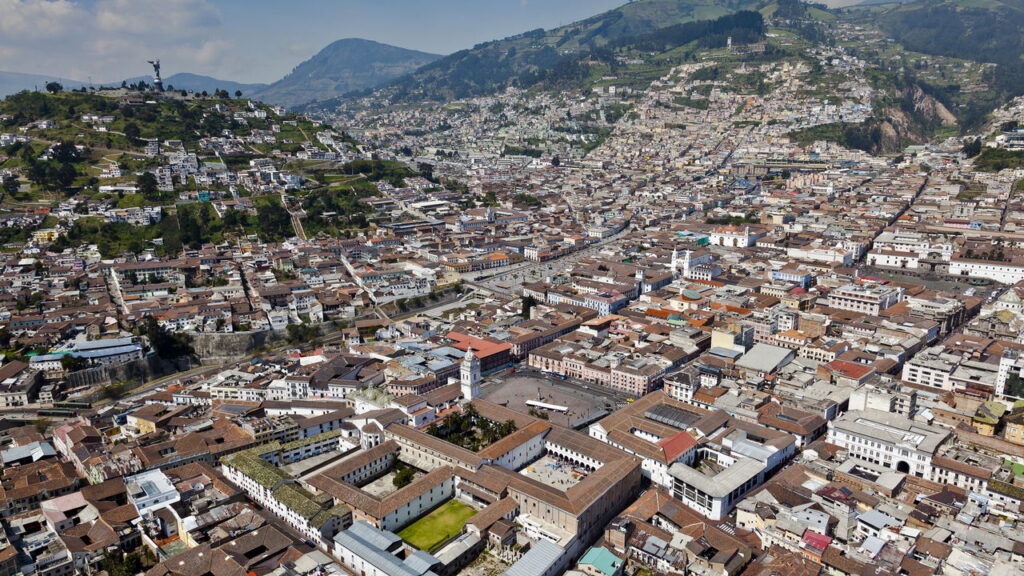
(469, 430)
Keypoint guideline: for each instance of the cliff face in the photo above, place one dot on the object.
(222, 348)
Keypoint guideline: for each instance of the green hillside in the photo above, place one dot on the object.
(533, 57)
(979, 30)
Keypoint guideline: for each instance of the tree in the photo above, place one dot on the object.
(66, 175)
(1015, 385)
(132, 132)
(54, 87)
(166, 344)
(12, 185)
(403, 478)
(528, 303)
(238, 93)
(972, 148)
(115, 390)
(41, 425)
(302, 333)
(66, 153)
(556, 161)
(73, 364)
(148, 186)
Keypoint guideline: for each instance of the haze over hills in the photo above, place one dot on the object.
(199, 83)
(343, 66)
(13, 82)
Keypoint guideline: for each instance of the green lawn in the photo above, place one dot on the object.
(438, 527)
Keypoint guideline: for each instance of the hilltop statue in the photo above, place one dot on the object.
(157, 81)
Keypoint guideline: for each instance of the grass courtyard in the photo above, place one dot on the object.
(436, 528)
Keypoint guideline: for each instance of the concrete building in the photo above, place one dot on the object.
(889, 440)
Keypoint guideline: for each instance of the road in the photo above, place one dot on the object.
(514, 276)
(206, 371)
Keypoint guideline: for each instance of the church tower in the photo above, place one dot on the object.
(469, 376)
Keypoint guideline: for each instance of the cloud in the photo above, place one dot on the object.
(109, 39)
(34, 19)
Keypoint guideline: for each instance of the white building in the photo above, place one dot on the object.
(888, 440)
(151, 491)
(868, 299)
(736, 237)
(469, 376)
(367, 551)
(1009, 272)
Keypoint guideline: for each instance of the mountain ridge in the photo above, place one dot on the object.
(494, 65)
(343, 66)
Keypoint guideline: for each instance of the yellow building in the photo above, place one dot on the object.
(45, 235)
(986, 419)
(1014, 431)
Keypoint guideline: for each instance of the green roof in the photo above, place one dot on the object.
(311, 440)
(264, 473)
(298, 500)
(1018, 469)
(602, 559)
(316, 508)
(990, 412)
(1011, 490)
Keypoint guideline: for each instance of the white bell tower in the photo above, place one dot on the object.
(469, 376)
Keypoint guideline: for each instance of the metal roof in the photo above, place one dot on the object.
(539, 560)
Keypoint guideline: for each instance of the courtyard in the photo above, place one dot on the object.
(554, 472)
(441, 525)
(385, 485)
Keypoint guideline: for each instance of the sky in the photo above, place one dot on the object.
(248, 40)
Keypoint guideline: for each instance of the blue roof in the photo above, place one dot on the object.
(102, 353)
(539, 560)
(371, 535)
(725, 352)
(602, 559)
(366, 542)
(35, 450)
(109, 343)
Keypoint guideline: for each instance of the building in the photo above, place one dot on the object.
(469, 375)
(733, 458)
(19, 385)
(868, 299)
(889, 440)
(369, 551)
(316, 516)
(150, 491)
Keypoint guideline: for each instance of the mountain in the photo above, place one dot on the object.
(523, 59)
(343, 66)
(979, 30)
(198, 83)
(14, 82)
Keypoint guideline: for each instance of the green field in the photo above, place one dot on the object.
(436, 528)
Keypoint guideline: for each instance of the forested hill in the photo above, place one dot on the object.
(979, 30)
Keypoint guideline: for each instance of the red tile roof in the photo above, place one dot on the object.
(815, 540)
(676, 445)
(849, 369)
(481, 348)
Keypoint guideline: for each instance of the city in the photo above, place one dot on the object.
(738, 293)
